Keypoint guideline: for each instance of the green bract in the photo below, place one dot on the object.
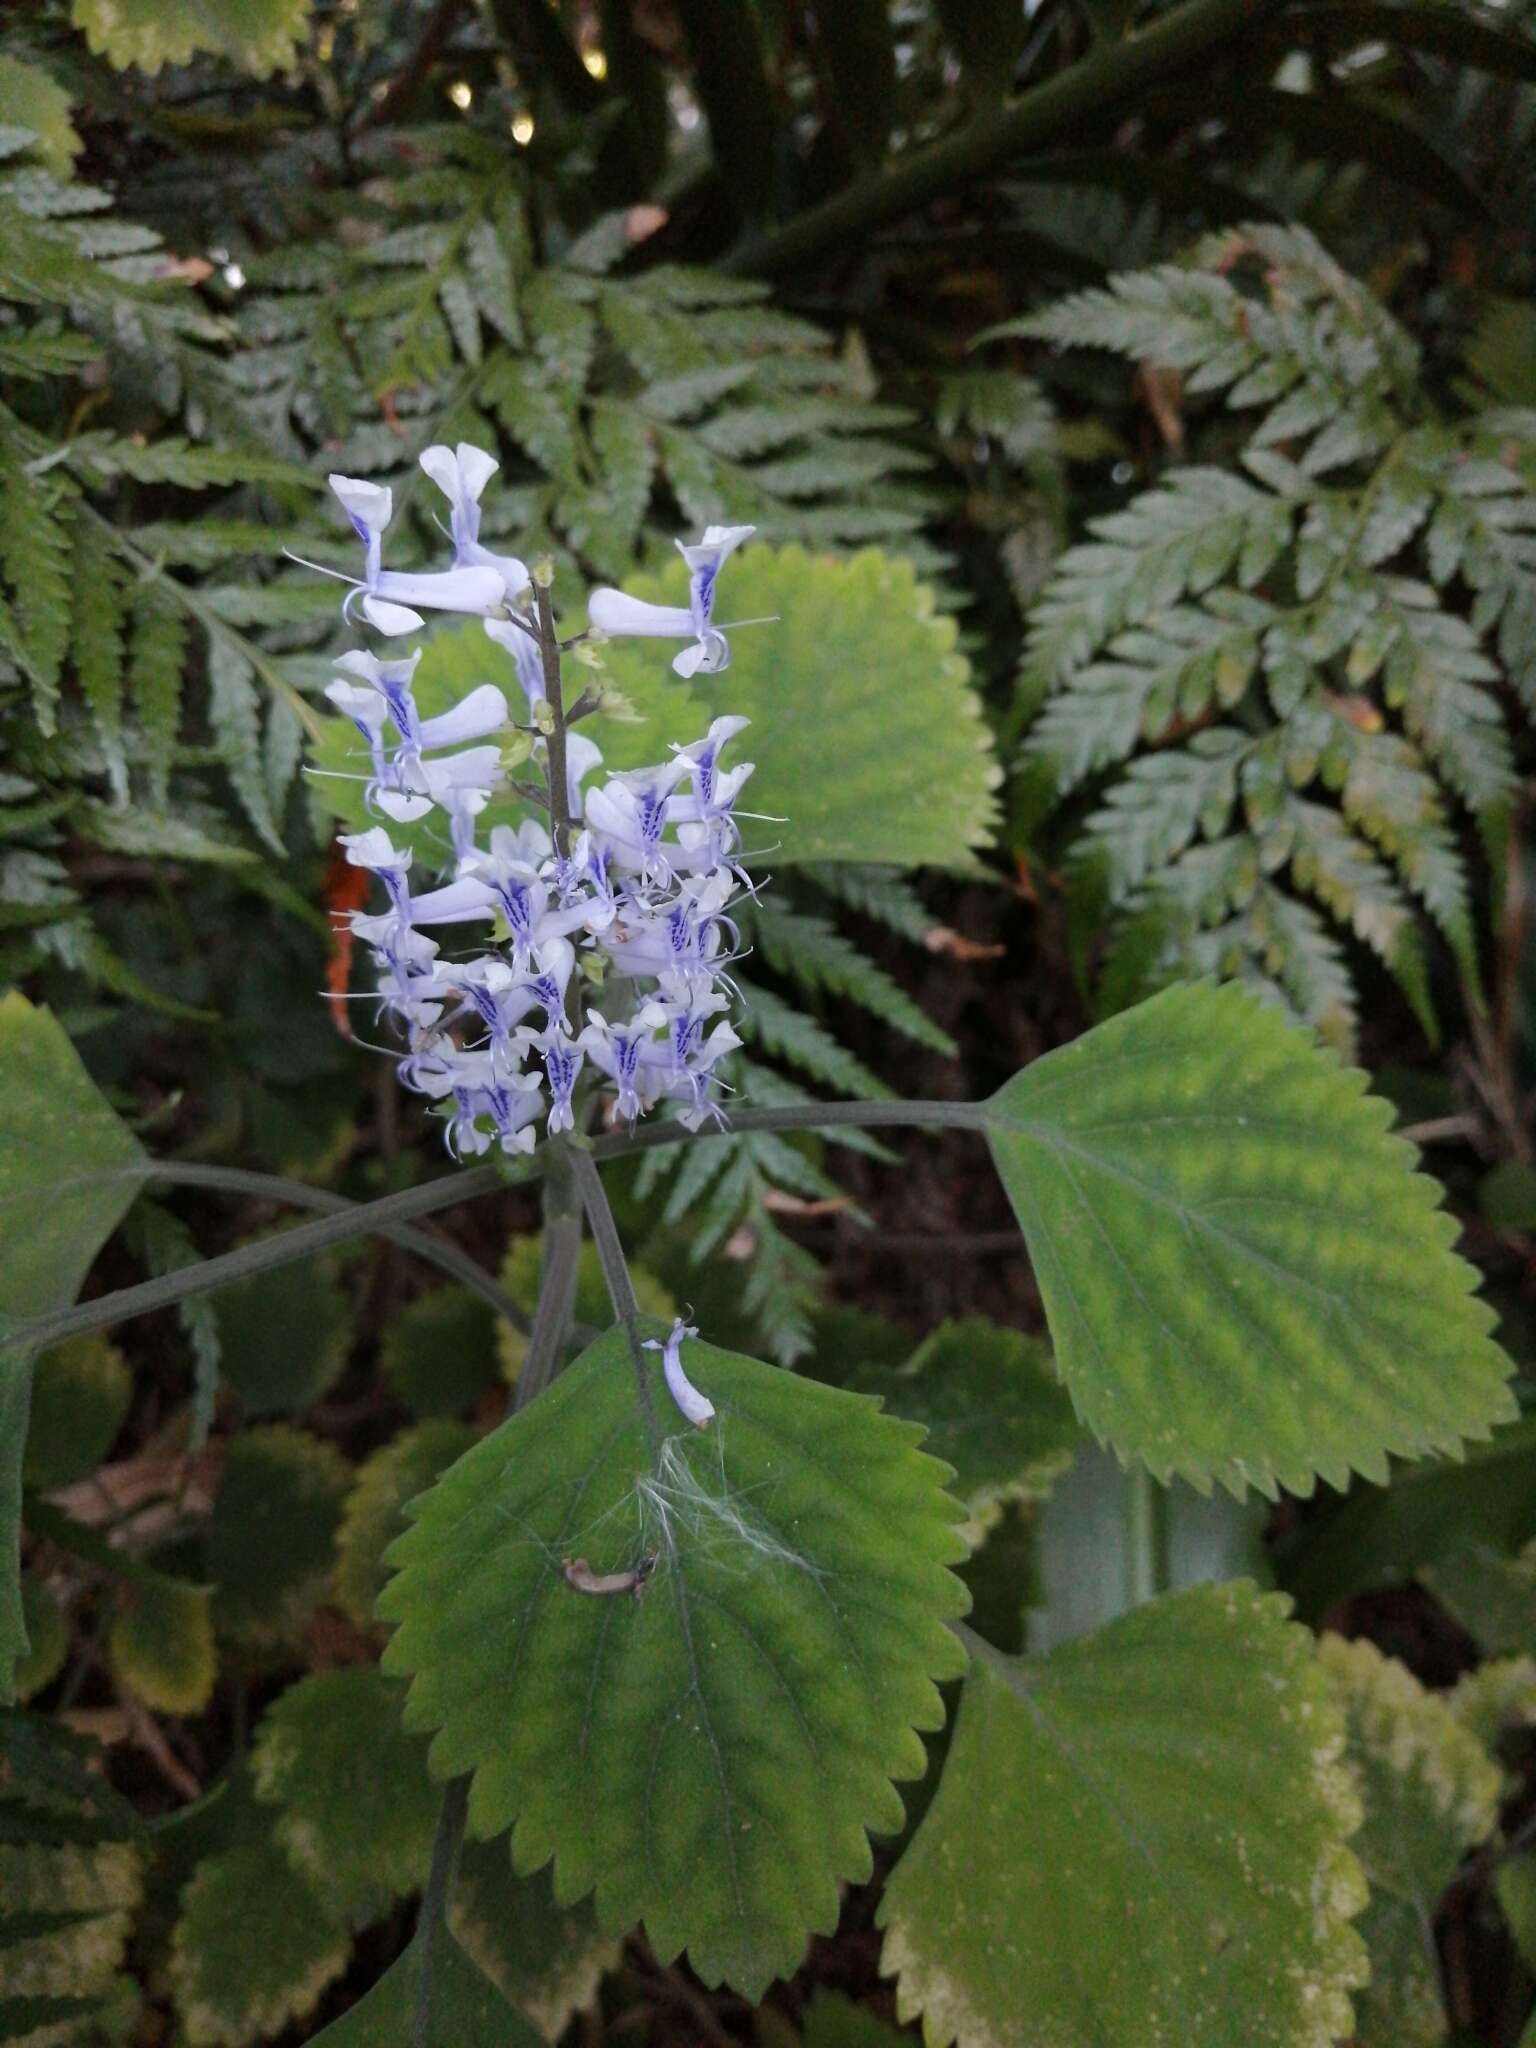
(1244, 1278)
(708, 1756)
(1140, 1839)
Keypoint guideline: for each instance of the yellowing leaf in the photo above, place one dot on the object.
(253, 1949)
(1430, 1792)
(357, 1808)
(1140, 1838)
(256, 36)
(162, 1644)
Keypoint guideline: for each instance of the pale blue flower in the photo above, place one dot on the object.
(695, 1408)
(461, 474)
(519, 642)
(386, 596)
(563, 1061)
(616, 613)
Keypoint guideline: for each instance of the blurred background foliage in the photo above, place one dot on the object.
(1154, 387)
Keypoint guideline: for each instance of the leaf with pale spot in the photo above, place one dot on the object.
(1430, 1792)
(708, 1756)
(1139, 1839)
(356, 1809)
(1244, 1277)
(548, 1959)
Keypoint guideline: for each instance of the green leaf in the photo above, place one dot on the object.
(743, 1720)
(162, 1644)
(1430, 1793)
(1244, 1278)
(832, 2021)
(30, 98)
(993, 1409)
(253, 1949)
(546, 1958)
(375, 1512)
(256, 36)
(1493, 1597)
(283, 1336)
(1383, 1535)
(68, 1171)
(80, 1394)
(1514, 1883)
(867, 736)
(68, 1166)
(357, 1807)
(439, 1352)
(1140, 1838)
(47, 1639)
(272, 1535)
(467, 2010)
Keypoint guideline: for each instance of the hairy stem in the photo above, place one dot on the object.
(1109, 75)
(559, 786)
(557, 1280)
(436, 1251)
(446, 1844)
(1146, 1531)
(380, 1218)
(798, 1116)
(621, 1288)
(358, 1219)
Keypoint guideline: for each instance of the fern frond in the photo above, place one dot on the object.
(882, 894)
(811, 952)
(1183, 538)
(35, 567)
(156, 660)
(234, 711)
(98, 622)
(766, 1020)
(1363, 708)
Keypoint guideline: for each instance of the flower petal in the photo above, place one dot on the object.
(483, 711)
(368, 506)
(391, 618)
(444, 590)
(615, 611)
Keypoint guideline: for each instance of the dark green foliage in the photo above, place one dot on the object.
(1287, 682)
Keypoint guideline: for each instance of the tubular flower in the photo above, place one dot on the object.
(615, 612)
(635, 898)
